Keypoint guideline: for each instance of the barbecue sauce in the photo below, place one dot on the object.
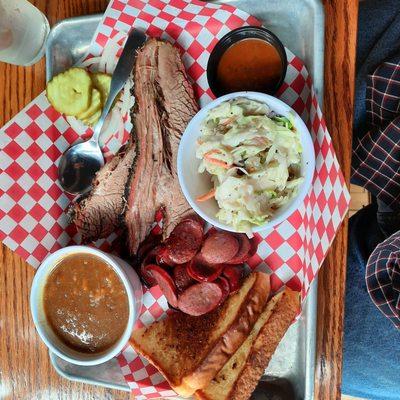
(249, 64)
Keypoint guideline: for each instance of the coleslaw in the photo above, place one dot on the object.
(253, 156)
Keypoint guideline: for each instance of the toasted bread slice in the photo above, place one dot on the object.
(240, 375)
(189, 351)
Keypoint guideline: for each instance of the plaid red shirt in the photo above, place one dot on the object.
(376, 167)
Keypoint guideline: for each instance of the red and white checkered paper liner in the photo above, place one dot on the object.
(33, 221)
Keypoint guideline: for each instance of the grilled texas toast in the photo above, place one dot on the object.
(240, 375)
(189, 351)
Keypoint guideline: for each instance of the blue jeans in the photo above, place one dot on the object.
(371, 353)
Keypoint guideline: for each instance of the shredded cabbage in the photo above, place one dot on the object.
(253, 156)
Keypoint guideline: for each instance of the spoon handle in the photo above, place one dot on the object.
(122, 71)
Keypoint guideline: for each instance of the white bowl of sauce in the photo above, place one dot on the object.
(85, 303)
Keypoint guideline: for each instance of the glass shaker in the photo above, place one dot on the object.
(23, 32)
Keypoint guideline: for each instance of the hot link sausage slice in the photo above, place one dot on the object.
(200, 298)
(184, 241)
(219, 247)
(165, 282)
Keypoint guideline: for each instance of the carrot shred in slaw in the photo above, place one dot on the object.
(207, 196)
(215, 161)
(229, 121)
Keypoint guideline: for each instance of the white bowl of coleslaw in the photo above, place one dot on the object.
(245, 162)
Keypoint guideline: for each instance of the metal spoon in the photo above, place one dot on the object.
(79, 164)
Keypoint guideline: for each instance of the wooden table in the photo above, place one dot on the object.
(25, 370)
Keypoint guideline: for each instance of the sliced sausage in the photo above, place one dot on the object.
(253, 247)
(181, 277)
(147, 245)
(196, 218)
(201, 271)
(162, 256)
(149, 258)
(224, 285)
(147, 276)
(219, 247)
(185, 241)
(200, 298)
(165, 282)
(244, 247)
(234, 274)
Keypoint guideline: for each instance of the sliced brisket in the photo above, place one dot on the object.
(178, 106)
(143, 178)
(147, 132)
(165, 103)
(101, 212)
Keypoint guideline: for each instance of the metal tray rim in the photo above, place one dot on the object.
(54, 31)
(311, 305)
(78, 378)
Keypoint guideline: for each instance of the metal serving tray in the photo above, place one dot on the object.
(300, 26)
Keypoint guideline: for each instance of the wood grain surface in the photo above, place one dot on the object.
(25, 370)
(340, 42)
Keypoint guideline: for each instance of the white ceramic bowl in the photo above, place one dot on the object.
(194, 184)
(133, 288)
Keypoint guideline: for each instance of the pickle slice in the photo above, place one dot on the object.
(70, 92)
(102, 82)
(92, 120)
(95, 105)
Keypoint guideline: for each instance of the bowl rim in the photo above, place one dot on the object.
(36, 297)
(294, 203)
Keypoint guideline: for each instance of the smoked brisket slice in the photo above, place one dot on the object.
(142, 178)
(178, 107)
(101, 212)
(141, 208)
(165, 103)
